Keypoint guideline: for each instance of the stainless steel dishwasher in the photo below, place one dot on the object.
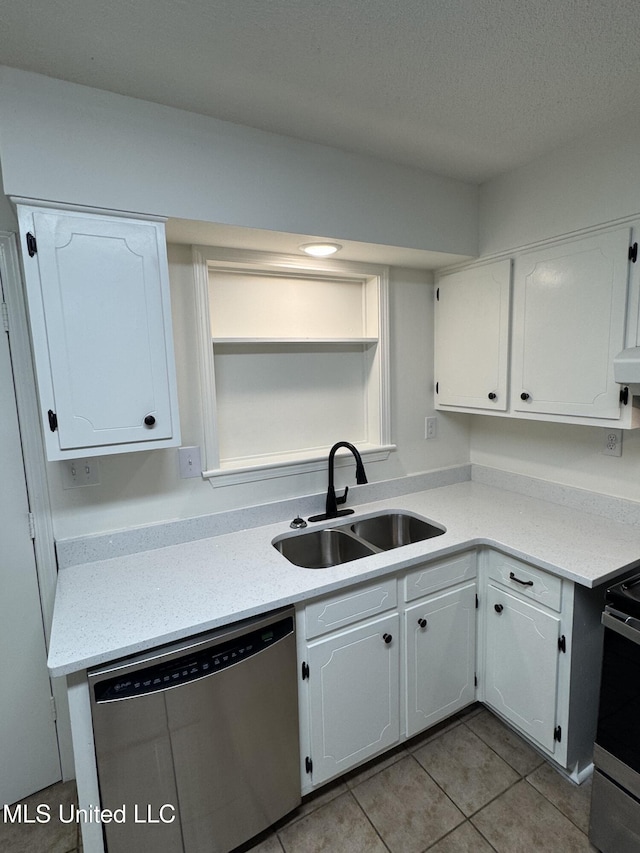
(197, 742)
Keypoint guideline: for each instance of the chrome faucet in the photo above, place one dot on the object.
(331, 509)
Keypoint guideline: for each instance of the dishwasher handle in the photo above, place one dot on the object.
(202, 662)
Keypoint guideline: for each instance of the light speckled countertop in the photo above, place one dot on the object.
(111, 608)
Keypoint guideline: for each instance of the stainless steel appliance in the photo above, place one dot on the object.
(615, 800)
(197, 742)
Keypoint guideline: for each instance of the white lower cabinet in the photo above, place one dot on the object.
(540, 655)
(354, 680)
(440, 643)
(384, 660)
(521, 678)
(368, 679)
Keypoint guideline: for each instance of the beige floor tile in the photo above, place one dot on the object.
(466, 768)
(503, 740)
(464, 839)
(51, 837)
(406, 807)
(574, 801)
(521, 821)
(338, 826)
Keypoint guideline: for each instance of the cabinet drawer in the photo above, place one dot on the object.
(438, 575)
(527, 580)
(345, 608)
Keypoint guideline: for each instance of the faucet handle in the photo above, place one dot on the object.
(343, 498)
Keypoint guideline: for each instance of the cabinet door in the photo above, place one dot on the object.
(568, 324)
(98, 302)
(472, 337)
(521, 666)
(440, 636)
(353, 695)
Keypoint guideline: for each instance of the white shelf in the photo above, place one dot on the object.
(259, 341)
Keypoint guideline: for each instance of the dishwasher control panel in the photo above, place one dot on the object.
(200, 663)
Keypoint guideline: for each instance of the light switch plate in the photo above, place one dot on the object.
(80, 472)
(189, 461)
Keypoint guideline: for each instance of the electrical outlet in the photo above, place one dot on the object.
(189, 462)
(430, 428)
(80, 472)
(613, 443)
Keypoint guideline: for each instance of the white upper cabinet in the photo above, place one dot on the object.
(472, 337)
(574, 307)
(568, 325)
(98, 296)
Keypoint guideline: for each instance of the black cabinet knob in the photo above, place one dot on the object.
(492, 395)
(422, 623)
(524, 396)
(149, 421)
(498, 608)
(387, 638)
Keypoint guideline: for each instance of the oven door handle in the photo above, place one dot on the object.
(621, 623)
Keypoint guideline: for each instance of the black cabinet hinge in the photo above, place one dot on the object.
(624, 396)
(305, 670)
(557, 733)
(633, 253)
(437, 387)
(308, 764)
(32, 244)
(53, 420)
(562, 644)
(438, 295)
(475, 680)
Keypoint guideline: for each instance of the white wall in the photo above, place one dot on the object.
(561, 453)
(589, 181)
(72, 144)
(140, 488)
(69, 143)
(8, 219)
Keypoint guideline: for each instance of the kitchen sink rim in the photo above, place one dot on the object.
(346, 528)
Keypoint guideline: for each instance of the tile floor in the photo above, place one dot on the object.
(470, 786)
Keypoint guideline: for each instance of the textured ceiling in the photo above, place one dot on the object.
(465, 88)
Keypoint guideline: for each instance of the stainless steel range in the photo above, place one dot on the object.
(615, 803)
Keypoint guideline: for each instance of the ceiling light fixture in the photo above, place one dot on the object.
(320, 250)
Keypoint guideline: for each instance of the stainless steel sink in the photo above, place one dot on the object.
(332, 546)
(394, 529)
(319, 549)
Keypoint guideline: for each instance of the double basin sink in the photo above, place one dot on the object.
(332, 546)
